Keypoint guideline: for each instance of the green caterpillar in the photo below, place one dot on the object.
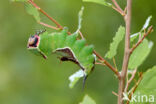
(66, 46)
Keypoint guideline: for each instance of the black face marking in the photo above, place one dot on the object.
(33, 41)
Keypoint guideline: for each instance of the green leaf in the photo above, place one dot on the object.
(103, 2)
(116, 40)
(147, 87)
(140, 54)
(87, 100)
(32, 11)
(75, 77)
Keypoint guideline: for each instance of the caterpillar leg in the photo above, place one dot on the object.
(84, 81)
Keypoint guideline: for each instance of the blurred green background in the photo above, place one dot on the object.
(28, 79)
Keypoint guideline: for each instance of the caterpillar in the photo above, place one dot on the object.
(64, 45)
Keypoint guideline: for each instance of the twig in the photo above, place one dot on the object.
(115, 64)
(125, 10)
(43, 12)
(126, 53)
(130, 80)
(59, 26)
(118, 8)
(99, 63)
(116, 4)
(107, 64)
(49, 26)
(135, 87)
(115, 93)
(141, 40)
(103, 61)
(81, 34)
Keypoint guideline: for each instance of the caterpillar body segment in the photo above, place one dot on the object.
(66, 46)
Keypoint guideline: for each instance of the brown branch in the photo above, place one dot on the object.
(102, 60)
(43, 12)
(135, 87)
(99, 63)
(118, 8)
(59, 26)
(141, 40)
(116, 4)
(81, 34)
(126, 53)
(115, 93)
(125, 10)
(49, 26)
(130, 80)
(115, 64)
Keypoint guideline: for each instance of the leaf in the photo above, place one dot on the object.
(80, 18)
(135, 35)
(140, 54)
(116, 40)
(103, 2)
(147, 23)
(147, 86)
(32, 11)
(87, 100)
(75, 77)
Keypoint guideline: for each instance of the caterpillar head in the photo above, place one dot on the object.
(33, 45)
(33, 41)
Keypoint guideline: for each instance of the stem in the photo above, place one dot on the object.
(115, 93)
(81, 34)
(99, 63)
(118, 8)
(126, 53)
(116, 4)
(135, 86)
(102, 60)
(130, 80)
(141, 40)
(49, 26)
(43, 12)
(115, 64)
